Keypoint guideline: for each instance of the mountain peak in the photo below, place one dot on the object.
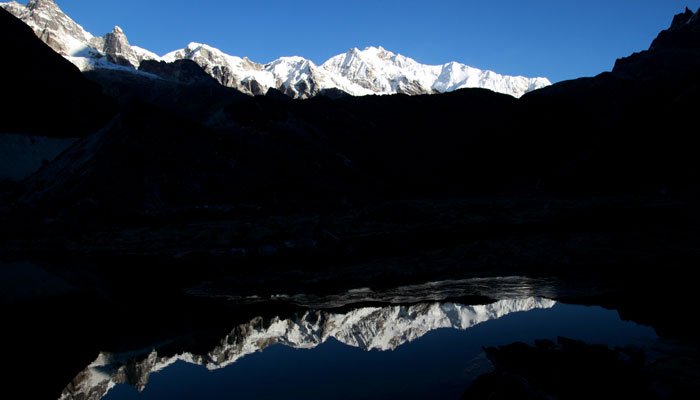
(52, 25)
(292, 60)
(374, 70)
(195, 45)
(41, 4)
(377, 49)
(682, 19)
(369, 50)
(684, 32)
(118, 50)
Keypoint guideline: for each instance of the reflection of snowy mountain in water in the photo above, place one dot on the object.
(380, 328)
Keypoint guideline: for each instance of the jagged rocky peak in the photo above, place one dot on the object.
(372, 71)
(682, 19)
(683, 33)
(69, 39)
(230, 71)
(384, 72)
(381, 52)
(116, 47)
(46, 4)
(52, 25)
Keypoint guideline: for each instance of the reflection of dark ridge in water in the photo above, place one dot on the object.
(483, 288)
(369, 328)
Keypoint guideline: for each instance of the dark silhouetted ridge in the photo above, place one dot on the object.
(44, 93)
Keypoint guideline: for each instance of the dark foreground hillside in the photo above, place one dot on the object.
(42, 93)
(185, 166)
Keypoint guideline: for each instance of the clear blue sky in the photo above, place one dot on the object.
(559, 39)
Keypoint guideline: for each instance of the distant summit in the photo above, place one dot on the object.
(372, 71)
(384, 72)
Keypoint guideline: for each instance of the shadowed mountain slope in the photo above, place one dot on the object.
(44, 94)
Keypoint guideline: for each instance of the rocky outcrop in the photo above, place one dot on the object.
(116, 47)
(683, 33)
(235, 72)
(69, 39)
(673, 55)
(372, 71)
(568, 369)
(182, 71)
(295, 76)
(53, 26)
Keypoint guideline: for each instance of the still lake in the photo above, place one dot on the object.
(416, 351)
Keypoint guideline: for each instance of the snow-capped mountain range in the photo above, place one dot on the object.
(372, 71)
(370, 328)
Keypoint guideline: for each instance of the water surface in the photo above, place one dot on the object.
(417, 351)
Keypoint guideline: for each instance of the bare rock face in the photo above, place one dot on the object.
(69, 39)
(53, 26)
(182, 71)
(234, 72)
(372, 71)
(117, 48)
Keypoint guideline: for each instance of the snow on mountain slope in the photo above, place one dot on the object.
(53, 26)
(301, 78)
(384, 72)
(295, 76)
(231, 71)
(373, 70)
(69, 39)
(371, 328)
(144, 54)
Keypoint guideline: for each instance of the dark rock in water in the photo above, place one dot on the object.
(568, 369)
(43, 93)
(182, 71)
